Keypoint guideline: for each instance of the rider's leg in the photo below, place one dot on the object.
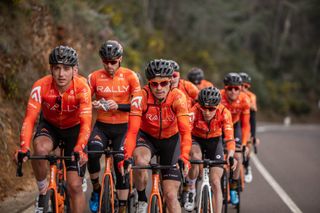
(77, 196)
(170, 194)
(215, 181)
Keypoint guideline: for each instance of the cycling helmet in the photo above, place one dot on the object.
(175, 65)
(158, 68)
(195, 75)
(110, 50)
(63, 55)
(245, 78)
(232, 79)
(209, 97)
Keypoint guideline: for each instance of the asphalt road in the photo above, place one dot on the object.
(290, 156)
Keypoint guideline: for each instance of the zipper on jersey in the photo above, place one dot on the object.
(160, 119)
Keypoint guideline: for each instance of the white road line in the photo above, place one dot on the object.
(273, 183)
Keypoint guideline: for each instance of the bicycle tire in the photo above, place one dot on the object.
(106, 196)
(67, 208)
(50, 202)
(154, 204)
(238, 190)
(205, 200)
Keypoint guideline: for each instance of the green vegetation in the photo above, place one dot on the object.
(276, 42)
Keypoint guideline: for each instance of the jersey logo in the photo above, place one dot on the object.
(136, 102)
(35, 94)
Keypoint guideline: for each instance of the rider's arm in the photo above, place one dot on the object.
(228, 131)
(92, 83)
(181, 109)
(245, 121)
(85, 116)
(32, 111)
(133, 129)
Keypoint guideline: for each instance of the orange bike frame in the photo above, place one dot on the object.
(155, 191)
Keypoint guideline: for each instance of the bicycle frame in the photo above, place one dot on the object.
(205, 182)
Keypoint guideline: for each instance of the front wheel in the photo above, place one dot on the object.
(154, 205)
(205, 204)
(106, 193)
(225, 191)
(50, 202)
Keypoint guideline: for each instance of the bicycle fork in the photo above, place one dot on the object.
(205, 182)
(155, 190)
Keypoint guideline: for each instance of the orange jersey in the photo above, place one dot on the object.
(190, 90)
(253, 100)
(240, 111)
(63, 111)
(204, 84)
(121, 88)
(222, 121)
(159, 120)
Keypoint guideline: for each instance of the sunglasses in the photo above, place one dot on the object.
(110, 62)
(232, 88)
(210, 109)
(155, 84)
(58, 102)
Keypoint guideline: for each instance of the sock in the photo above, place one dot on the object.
(96, 185)
(234, 184)
(191, 183)
(142, 195)
(42, 186)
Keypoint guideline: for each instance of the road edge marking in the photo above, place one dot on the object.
(273, 183)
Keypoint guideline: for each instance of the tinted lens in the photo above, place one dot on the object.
(156, 84)
(246, 86)
(175, 75)
(233, 88)
(110, 62)
(211, 109)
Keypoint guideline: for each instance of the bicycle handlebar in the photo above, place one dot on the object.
(51, 158)
(208, 163)
(107, 152)
(155, 167)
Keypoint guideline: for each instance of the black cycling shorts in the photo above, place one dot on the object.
(108, 136)
(167, 149)
(211, 148)
(67, 137)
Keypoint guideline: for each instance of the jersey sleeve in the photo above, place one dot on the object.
(131, 137)
(245, 120)
(228, 131)
(32, 112)
(92, 83)
(85, 115)
(180, 105)
(185, 132)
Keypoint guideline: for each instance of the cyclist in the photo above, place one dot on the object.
(238, 104)
(65, 102)
(196, 76)
(210, 119)
(113, 86)
(246, 84)
(188, 88)
(156, 124)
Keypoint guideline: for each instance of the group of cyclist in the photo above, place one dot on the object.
(172, 118)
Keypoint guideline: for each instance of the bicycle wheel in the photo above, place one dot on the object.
(154, 205)
(106, 196)
(224, 187)
(50, 202)
(66, 208)
(238, 190)
(205, 204)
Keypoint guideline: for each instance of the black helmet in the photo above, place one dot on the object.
(209, 97)
(175, 65)
(159, 68)
(232, 79)
(110, 50)
(195, 75)
(245, 77)
(63, 55)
